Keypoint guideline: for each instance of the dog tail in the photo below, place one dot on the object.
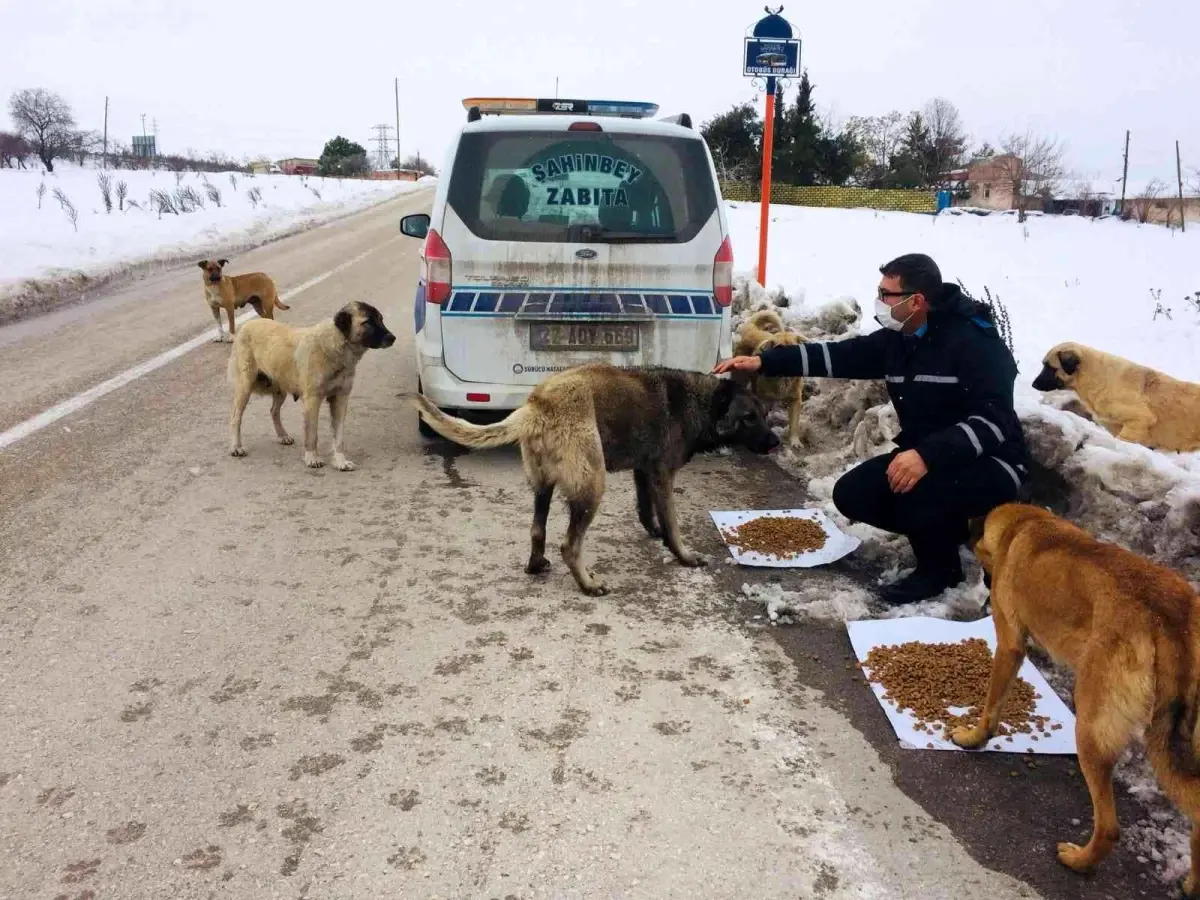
(478, 437)
(1171, 736)
(279, 304)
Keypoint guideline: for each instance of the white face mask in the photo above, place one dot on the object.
(885, 315)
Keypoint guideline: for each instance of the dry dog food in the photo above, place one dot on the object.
(931, 679)
(778, 536)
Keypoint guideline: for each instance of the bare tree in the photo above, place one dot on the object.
(45, 120)
(1194, 183)
(1142, 207)
(880, 138)
(947, 138)
(1034, 164)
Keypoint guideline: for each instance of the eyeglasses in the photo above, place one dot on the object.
(883, 293)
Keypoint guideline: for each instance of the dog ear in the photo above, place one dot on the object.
(342, 321)
(1069, 360)
(222, 262)
(203, 264)
(722, 402)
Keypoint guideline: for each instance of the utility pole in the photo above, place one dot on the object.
(397, 125)
(555, 87)
(1179, 175)
(381, 145)
(143, 125)
(1124, 173)
(105, 157)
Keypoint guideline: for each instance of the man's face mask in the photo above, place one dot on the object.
(893, 317)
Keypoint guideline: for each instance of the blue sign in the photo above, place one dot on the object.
(772, 57)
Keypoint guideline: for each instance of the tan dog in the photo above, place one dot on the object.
(232, 292)
(585, 421)
(763, 330)
(313, 364)
(1133, 402)
(1130, 631)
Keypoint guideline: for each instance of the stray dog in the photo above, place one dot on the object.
(1133, 402)
(1127, 627)
(231, 292)
(313, 364)
(762, 331)
(578, 424)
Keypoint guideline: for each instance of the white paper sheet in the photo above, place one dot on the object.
(869, 633)
(837, 543)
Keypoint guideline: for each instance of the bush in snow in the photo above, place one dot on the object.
(122, 193)
(214, 194)
(316, 193)
(68, 207)
(161, 202)
(255, 196)
(105, 182)
(41, 192)
(233, 180)
(188, 200)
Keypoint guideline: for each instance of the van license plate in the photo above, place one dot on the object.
(583, 336)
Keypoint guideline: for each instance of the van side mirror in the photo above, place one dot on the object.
(415, 225)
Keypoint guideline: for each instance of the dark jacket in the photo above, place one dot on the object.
(952, 385)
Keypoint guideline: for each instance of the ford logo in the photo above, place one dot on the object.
(585, 253)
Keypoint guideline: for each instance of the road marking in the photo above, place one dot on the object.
(91, 395)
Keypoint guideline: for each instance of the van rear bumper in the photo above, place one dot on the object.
(447, 392)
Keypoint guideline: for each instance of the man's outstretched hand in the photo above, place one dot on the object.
(905, 470)
(738, 364)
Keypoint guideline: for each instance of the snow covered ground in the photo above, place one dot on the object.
(1132, 290)
(229, 211)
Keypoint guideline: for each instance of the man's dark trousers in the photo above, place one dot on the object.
(933, 515)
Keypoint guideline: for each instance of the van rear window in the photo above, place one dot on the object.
(581, 186)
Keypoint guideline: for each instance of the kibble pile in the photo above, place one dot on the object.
(930, 679)
(778, 536)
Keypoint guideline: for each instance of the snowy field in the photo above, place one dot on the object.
(223, 211)
(1099, 283)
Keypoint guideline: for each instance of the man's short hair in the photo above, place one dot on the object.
(918, 273)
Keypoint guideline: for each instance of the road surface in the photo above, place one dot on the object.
(241, 678)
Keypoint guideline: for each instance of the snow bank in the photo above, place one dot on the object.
(46, 258)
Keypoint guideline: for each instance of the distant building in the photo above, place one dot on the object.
(297, 166)
(991, 182)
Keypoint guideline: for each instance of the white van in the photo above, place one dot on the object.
(565, 232)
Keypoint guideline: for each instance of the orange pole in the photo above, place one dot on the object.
(765, 204)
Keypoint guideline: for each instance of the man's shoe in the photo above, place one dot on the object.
(919, 585)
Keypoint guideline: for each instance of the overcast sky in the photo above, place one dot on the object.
(257, 78)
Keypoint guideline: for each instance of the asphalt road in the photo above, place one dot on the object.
(242, 678)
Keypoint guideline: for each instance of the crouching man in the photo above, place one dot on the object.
(961, 451)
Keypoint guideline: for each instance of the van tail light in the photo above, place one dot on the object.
(723, 274)
(437, 269)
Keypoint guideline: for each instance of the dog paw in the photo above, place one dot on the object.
(596, 589)
(343, 465)
(537, 566)
(968, 738)
(693, 561)
(228, 338)
(237, 451)
(313, 461)
(219, 339)
(1075, 858)
(287, 440)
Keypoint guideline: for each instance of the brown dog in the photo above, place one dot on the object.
(594, 418)
(1130, 631)
(232, 292)
(1133, 402)
(313, 364)
(763, 330)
